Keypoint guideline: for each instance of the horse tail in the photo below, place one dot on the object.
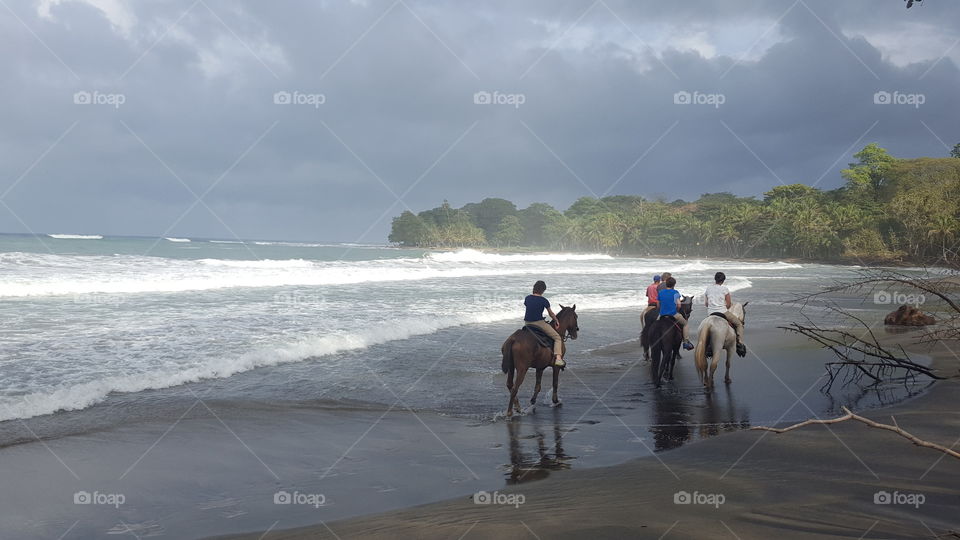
(700, 354)
(507, 350)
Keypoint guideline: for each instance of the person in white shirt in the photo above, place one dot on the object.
(718, 301)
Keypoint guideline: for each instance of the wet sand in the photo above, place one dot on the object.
(198, 467)
(816, 482)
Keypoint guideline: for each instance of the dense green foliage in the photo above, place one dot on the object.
(888, 209)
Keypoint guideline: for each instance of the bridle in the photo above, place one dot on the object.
(563, 337)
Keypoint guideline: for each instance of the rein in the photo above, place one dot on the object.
(563, 336)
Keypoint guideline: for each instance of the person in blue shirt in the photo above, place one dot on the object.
(535, 304)
(669, 300)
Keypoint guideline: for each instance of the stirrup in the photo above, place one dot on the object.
(687, 346)
(558, 361)
(741, 349)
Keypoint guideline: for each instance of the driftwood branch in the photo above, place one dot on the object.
(863, 354)
(852, 416)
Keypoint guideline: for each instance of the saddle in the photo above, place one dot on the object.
(671, 318)
(724, 317)
(543, 339)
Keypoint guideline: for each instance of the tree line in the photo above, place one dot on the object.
(888, 209)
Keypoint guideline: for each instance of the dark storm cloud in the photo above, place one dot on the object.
(797, 82)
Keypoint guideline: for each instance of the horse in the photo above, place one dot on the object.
(664, 337)
(714, 334)
(650, 316)
(521, 351)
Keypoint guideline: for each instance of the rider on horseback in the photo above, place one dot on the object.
(652, 298)
(669, 300)
(535, 304)
(718, 301)
(663, 281)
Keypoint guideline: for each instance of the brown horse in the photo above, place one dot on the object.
(521, 351)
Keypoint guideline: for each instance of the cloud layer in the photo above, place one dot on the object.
(382, 106)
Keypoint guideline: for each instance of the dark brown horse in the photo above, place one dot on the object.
(664, 337)
(521, 351)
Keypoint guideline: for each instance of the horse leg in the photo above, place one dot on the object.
(510, 390)
(521, 373)
(536, 389)
(727, 378)
(715, 361)
(556, 382)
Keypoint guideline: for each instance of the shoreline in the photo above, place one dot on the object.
(534, 250)
(816, 481)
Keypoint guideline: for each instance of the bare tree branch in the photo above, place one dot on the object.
(851, 416)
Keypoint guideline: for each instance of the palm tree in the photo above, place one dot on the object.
(943, 228)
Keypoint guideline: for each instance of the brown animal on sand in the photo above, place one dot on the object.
(908, 316)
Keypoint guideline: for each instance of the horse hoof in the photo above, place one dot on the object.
(728, 380)
(557, 404)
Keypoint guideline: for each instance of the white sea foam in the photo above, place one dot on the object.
(76, 236)
(225, 242)
(176, 239)
(157, 371)
(475, 256)
(68, 397)
(38, 274)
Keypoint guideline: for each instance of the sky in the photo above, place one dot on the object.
(322, 120)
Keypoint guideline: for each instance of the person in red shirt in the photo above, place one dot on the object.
(652, 301)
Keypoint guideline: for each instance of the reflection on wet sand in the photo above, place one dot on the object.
(678, 416)
(671, 420)
(528, 464)
(720, 413)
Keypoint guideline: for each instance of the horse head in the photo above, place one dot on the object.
(568, 321)
(686, 306)
(740, 311)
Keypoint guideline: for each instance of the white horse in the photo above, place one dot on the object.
(720, 335)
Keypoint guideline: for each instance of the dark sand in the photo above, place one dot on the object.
(816, 482)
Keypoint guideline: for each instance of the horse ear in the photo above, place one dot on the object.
(574, 308)
(745, 304)
(561, 306)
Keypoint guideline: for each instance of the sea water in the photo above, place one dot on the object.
(124, 323)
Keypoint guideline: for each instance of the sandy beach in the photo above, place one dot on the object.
(816, 482)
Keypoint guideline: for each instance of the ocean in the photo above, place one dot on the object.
(121, 323)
